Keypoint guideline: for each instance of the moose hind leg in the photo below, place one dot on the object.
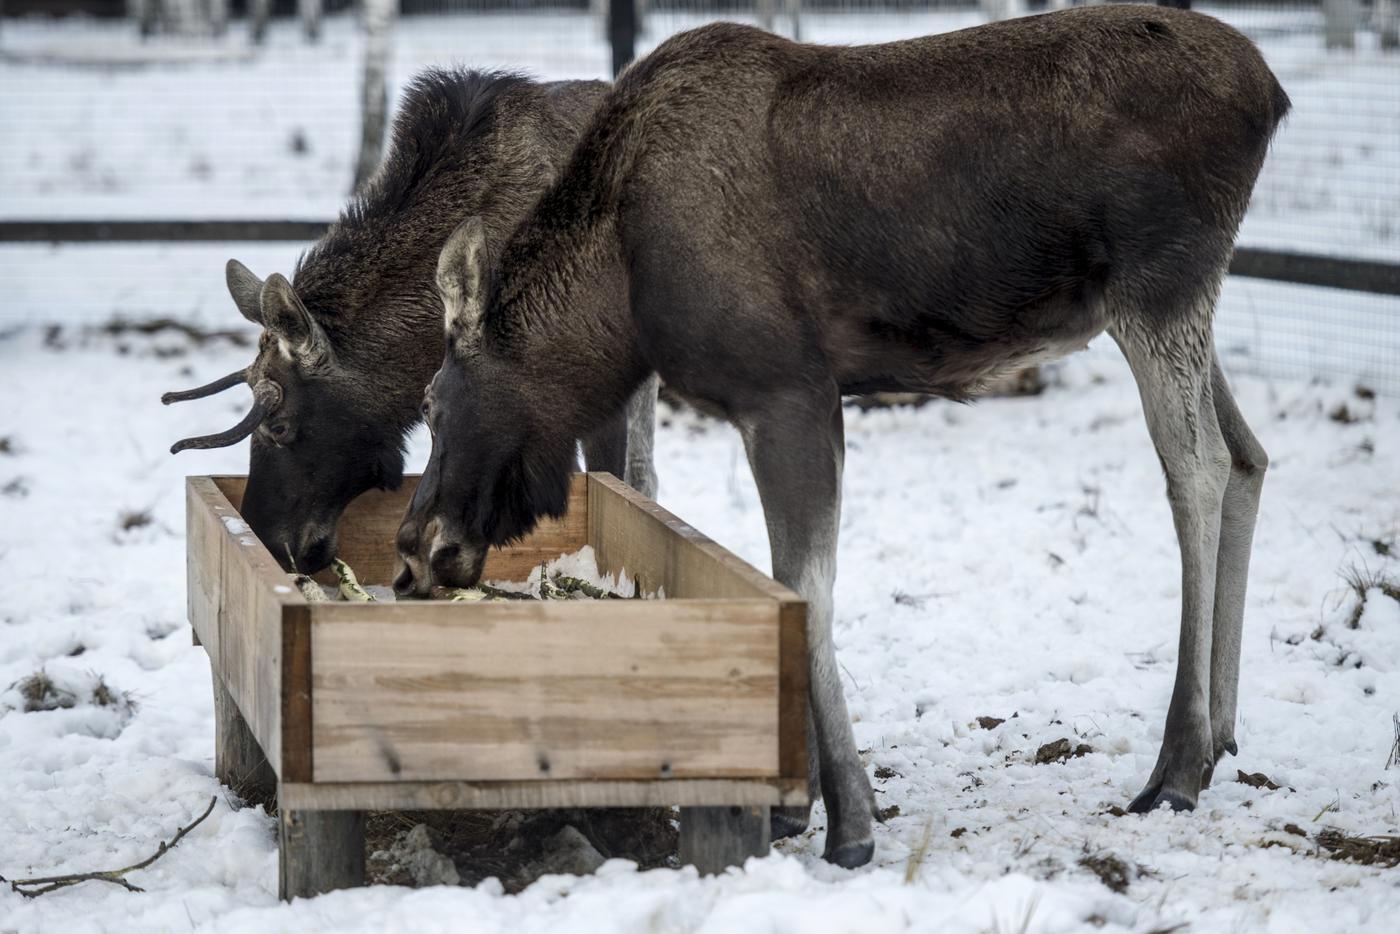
(1173, 378)
(796, 450)
(1248, 461)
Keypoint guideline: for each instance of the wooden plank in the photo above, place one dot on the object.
(239, 763)
(204, 556)
(629, 531)
(367, 530)
(610, 689)
(660, 551)
(792, 690)
(319, 851)
(138, 231)
(489, 796)
(715, 838)
(297, 748)
(245, 640)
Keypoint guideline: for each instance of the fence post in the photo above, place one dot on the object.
(622, 32)
(1339, 23)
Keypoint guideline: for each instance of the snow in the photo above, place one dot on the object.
(1012, 559)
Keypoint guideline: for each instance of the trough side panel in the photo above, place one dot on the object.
(367, 531)
(792, 690)
(500, 796)
(660, 551)
(253, 593)
(559, 690)
(204, 542)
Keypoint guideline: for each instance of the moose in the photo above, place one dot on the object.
(346, 350)
(772, 225)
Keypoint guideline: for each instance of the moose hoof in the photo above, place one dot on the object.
(788, 822)
(1153, 798)
(851, 855)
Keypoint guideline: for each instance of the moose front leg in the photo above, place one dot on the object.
(797, 450)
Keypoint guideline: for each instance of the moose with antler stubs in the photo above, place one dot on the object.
(346, 350)
(771, 225)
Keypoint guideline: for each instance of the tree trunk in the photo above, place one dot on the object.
(1339, 23)
(374, 93)
(1387, 24)
(310, 18)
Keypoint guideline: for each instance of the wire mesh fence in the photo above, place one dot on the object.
(195, 120)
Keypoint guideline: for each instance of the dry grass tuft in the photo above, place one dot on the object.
(40, 693)
(1361, 581)
(134, 519)
(1382, 850)
(1111, 870)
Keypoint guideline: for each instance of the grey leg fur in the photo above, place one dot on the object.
(1173, 377)
(641, 434)
(1238, 512)
(622, 446)
(797, 450)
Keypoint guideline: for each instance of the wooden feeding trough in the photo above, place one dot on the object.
(697, 700)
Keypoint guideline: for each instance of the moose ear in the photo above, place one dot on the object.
(287, 319)
(461, 277)
(246, 290)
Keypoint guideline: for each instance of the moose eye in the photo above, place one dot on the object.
(425, 408)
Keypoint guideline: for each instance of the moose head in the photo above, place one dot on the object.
(320, 435)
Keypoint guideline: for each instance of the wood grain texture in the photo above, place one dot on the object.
(715, 838)
(367, 530)
(318, 851)
(538, 690)
(661, 552)
(239, 762)
(490, 796)
(238, 596)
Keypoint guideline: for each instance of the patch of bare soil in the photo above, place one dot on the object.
(1381, 850)
(1111, 870)
(1060, 751)
(516, 847)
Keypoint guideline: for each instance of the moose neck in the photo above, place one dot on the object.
(563, 321)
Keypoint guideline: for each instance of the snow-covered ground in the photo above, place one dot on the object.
(1013, 559)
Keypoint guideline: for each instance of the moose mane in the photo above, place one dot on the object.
(431, 176)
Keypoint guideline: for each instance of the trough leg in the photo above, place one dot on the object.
(319, 851)
(239, 763)
(713, 839)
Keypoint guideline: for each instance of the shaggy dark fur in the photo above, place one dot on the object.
(465, 143)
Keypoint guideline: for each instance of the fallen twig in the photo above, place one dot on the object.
(46, 884)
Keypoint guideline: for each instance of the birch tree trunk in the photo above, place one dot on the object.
(1339, 23)
(310, 18)
(374, 93)
(259, 11)
(1387, 24)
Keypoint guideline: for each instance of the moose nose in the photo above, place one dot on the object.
(444, 562)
